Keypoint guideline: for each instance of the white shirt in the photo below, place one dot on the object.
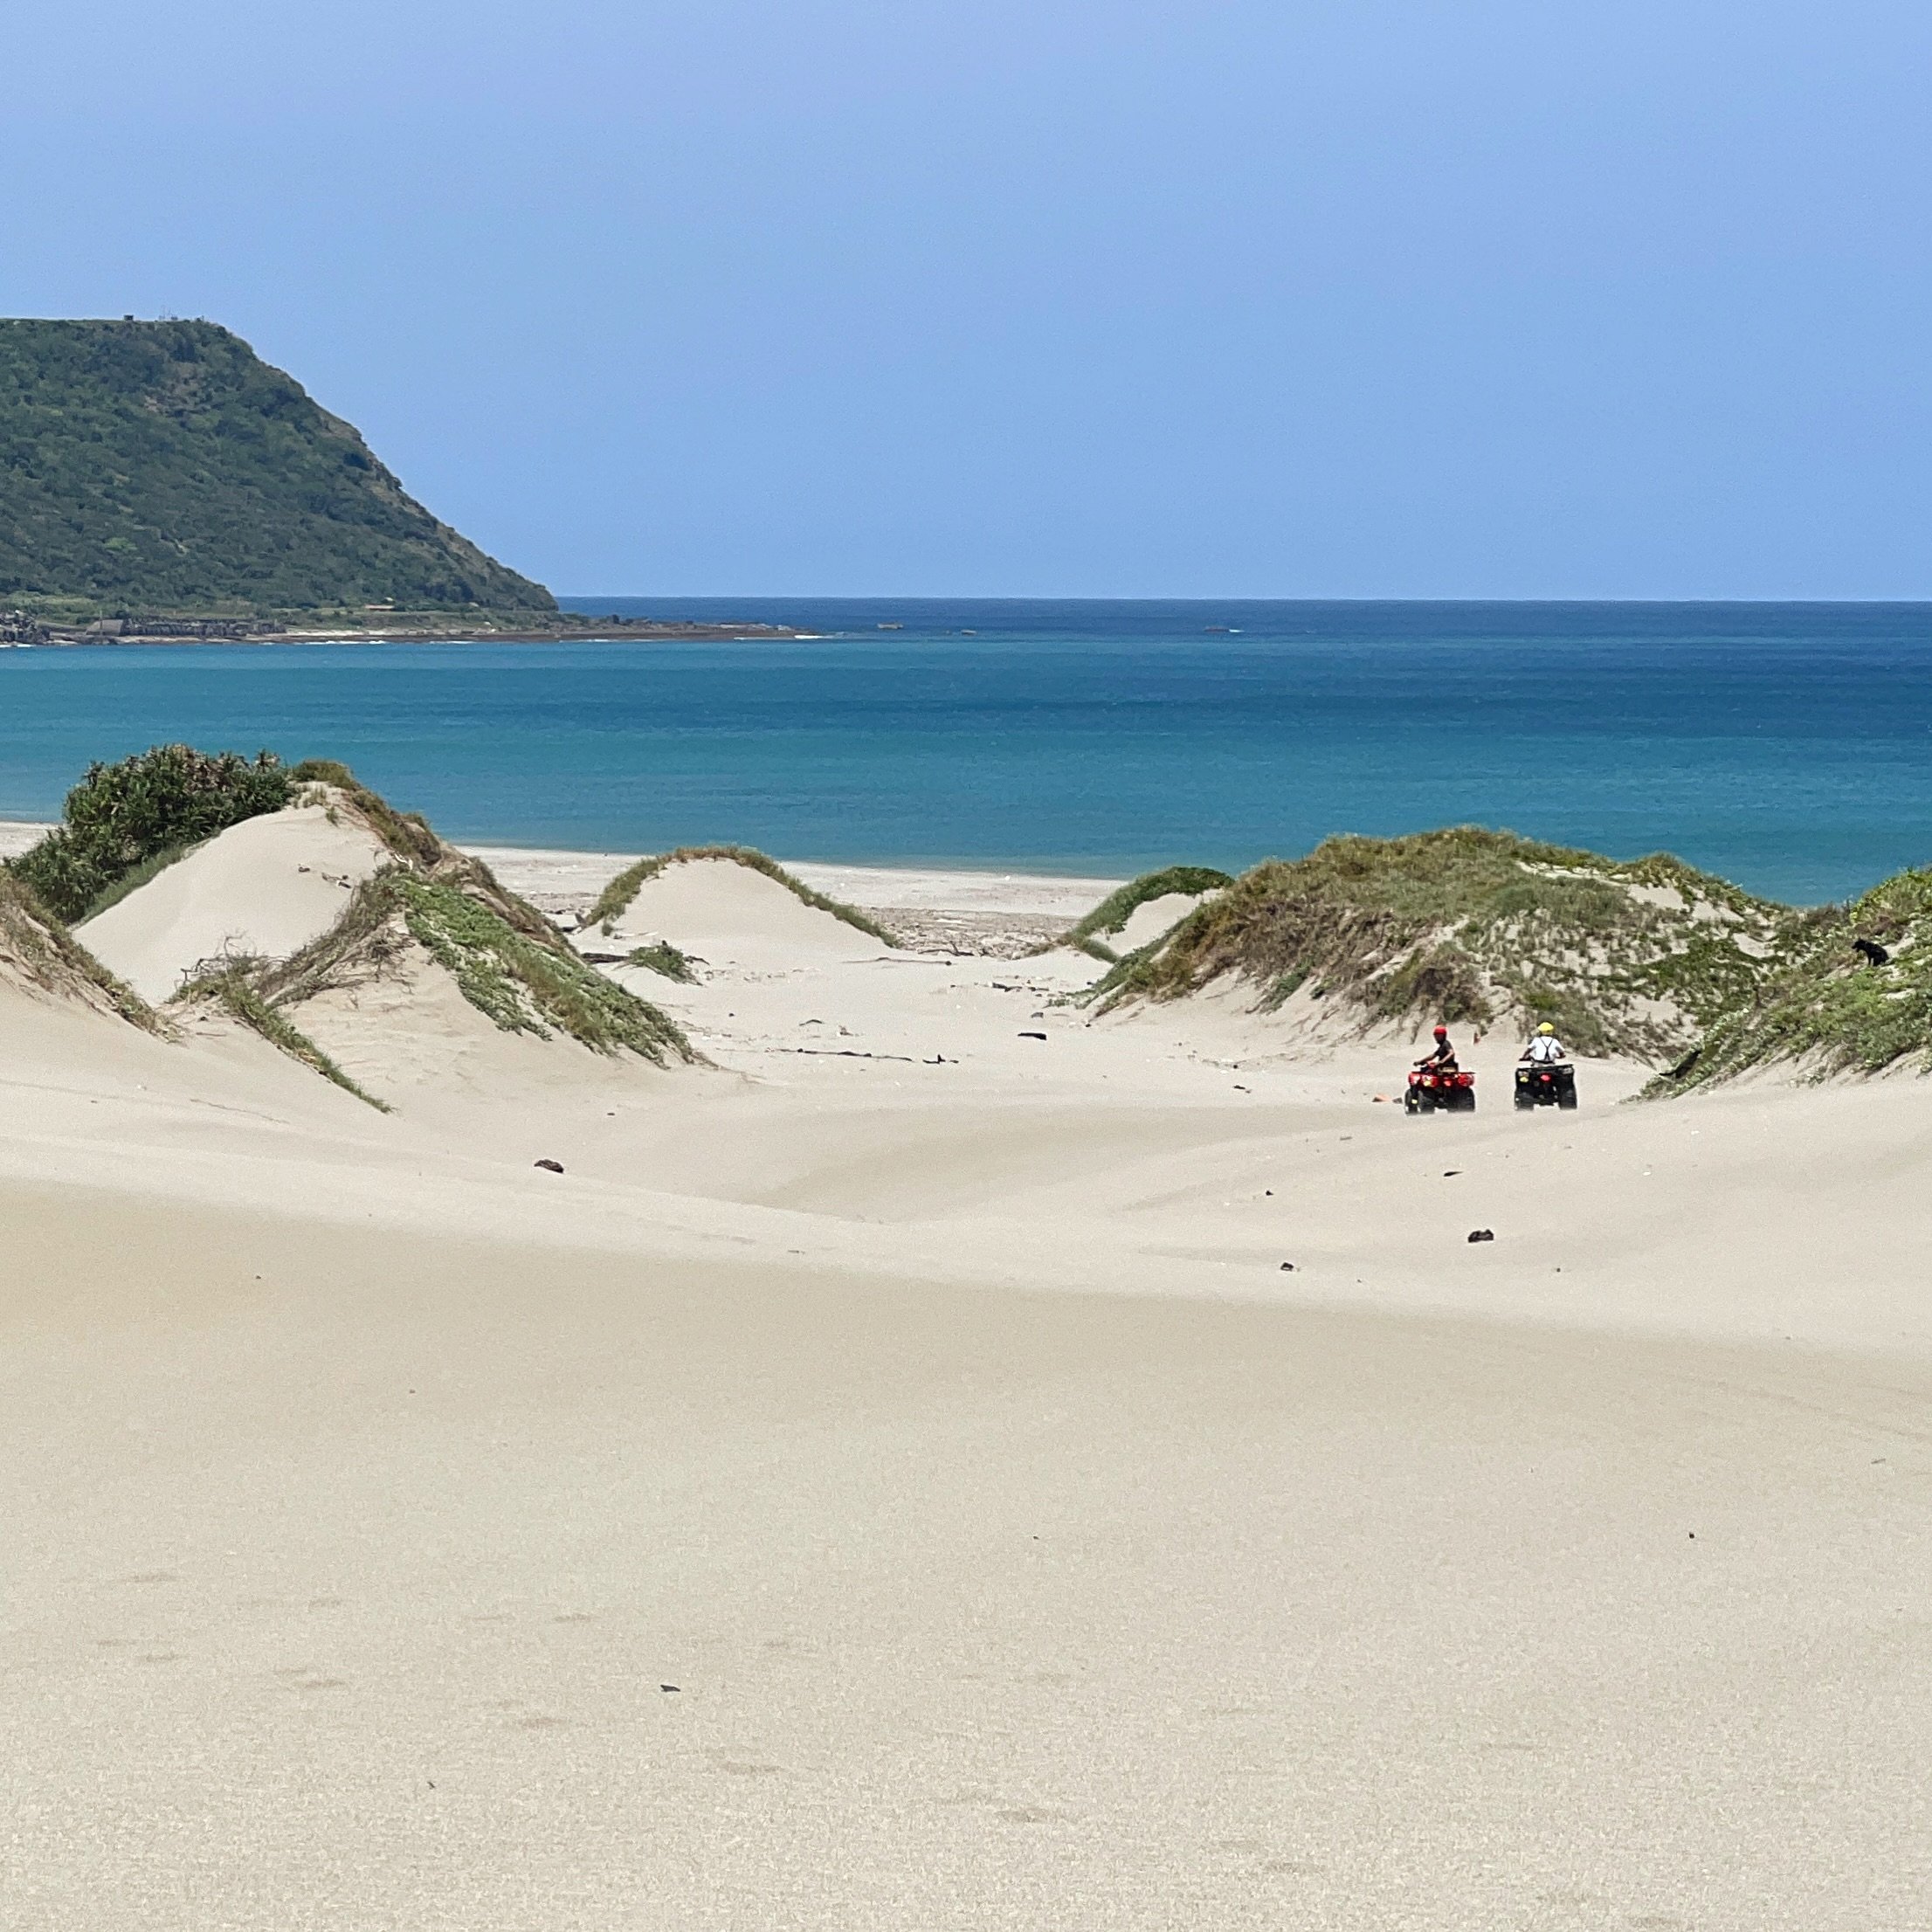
(1546, 1046)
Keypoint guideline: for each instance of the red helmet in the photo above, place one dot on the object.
(1442, 1032)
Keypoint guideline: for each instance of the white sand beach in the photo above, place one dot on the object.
(950, 1461)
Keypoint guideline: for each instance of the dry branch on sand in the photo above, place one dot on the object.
(232, 984)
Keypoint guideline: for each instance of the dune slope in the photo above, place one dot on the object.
(262, 889)
(370, 1579)
(725, 907)
(892, 1481)
(41, 961)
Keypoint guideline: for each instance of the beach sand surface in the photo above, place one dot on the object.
(918, 1392)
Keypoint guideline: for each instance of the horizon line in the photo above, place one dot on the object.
(937, 596)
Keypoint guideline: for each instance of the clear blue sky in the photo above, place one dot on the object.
(1046, 297)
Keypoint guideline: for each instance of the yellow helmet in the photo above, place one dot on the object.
(1546, 1028)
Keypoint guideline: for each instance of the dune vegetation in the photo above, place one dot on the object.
(37, 952)
(123, 824)
(504, 957)
(1647, 959)
(1108, 919)
(1636, 958)
(408, 834)
(1848, 989)
(616, 898)
(664, 958)
(234, 984)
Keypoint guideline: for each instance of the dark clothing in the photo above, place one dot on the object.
(1442, 1057)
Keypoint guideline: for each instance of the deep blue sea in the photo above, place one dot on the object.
(1788, 746)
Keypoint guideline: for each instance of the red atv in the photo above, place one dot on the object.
(1450, 1088)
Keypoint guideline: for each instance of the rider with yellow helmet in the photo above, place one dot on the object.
(1545, 1048)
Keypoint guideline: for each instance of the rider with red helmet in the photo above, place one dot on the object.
(1442, 1057)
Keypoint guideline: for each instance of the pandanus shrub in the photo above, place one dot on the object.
(121, 817)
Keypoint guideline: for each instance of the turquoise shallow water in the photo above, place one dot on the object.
(1789, 747)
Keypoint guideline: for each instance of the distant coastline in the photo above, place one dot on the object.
(20, 630)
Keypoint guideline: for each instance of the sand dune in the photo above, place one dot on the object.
(265, 888)
(728, 914)
(42, 966)
(1153, 917)
(919, 1391)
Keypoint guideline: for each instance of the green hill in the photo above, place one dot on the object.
(163, 467)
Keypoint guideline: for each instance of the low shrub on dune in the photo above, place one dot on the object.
(142, 813)
(666, 959)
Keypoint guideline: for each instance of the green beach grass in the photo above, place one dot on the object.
(1109, 918)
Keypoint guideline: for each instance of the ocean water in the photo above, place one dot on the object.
(1787, 746)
